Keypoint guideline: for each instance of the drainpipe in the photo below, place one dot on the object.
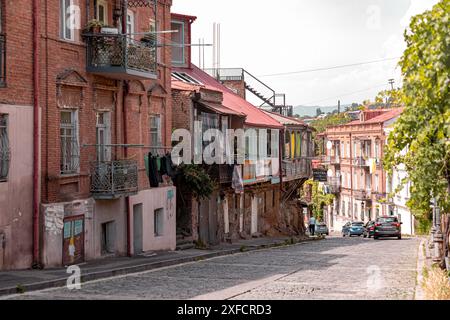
(125, 130)
(36, 98)
(125, 141)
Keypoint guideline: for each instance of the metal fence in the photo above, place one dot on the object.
(106, 51)
(111, 179)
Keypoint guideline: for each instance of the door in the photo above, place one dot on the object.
(212, 220)
(254, 227)
(73, 242)
(137, 229)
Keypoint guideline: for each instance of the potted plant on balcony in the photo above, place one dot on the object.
(93, 26)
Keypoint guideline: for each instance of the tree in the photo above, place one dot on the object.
(421, 136)
(318, 112)
(319, 200)
(389, 98)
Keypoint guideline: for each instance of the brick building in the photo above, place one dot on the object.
(258, 209)
(16, 134)
(354, 153)
(104, 98)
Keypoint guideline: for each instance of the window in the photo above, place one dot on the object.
(130, 23)
(2, 50)
(178, 43)
(377, 150)
(4, 147)
(70, 152)
(159, 222)
(103, 136)
(66, 17)
(102, 11)
(377, 182)
(182, 76)
(155, 132)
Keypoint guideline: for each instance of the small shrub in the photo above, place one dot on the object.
(243, 249)
(436, 284)
(20, 288)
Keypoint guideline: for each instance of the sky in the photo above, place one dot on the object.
(269, 37)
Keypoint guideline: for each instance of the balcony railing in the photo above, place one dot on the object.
(296, 169)
(114, 179)
(2, 60)
(362, 194)
(120, 57)
(335, 185)
(222, 173)
(361, 162)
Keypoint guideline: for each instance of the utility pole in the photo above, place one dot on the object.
(392, 82)
(339, 106)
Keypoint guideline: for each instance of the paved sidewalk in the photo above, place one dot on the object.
(29, 280)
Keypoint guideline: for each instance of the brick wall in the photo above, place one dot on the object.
(144, 99)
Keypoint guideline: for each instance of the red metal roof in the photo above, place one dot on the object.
(255, 117)
(386, 114)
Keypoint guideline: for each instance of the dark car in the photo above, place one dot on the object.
(369, 229)
(353, 229)
(388, 227)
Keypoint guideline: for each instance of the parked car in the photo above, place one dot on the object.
(369, 229)
(321, 228)
(353, 229)
(388, 227)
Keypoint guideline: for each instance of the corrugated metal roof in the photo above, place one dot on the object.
(255, 116)
(284, 120)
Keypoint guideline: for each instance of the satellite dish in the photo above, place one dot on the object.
(330, 173)
(329, 145)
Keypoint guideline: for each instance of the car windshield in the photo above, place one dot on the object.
(387, 220)
(357, 224)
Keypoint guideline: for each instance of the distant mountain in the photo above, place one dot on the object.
(311, 111)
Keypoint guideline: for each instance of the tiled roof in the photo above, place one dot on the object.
(255, 116)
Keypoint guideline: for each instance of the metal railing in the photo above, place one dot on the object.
(297, 168)
(2, 60)
(361, 162)
(362, 194)
(116, 52)
(113, 179)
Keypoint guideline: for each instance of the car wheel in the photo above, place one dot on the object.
(399, 238)
(375, 238)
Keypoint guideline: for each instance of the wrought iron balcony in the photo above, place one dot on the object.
(334, 185)
(363, 195)
(114, 179)
(120, 57)
(361, 162)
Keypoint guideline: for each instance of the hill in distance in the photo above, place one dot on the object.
(311, 111)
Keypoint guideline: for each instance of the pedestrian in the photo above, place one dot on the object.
(312, 225)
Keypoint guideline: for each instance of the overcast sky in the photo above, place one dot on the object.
(267, 37)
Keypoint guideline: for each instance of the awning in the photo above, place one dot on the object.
(220, 109)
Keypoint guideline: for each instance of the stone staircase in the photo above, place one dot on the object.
(184, 242)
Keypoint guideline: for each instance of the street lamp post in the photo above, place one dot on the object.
(437, 238)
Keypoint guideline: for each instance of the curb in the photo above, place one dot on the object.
(58, 283)
(418, 293)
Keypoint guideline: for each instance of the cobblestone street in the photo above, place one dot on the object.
(335, 268)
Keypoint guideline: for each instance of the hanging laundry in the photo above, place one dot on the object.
(153, 171)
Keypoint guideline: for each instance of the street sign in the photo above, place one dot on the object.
(320, 175)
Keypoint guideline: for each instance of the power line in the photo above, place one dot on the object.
(328, 68)
(342, 95)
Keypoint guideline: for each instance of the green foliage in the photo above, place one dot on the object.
(389, 98)
(421, 137)
(319, 200)
(321, 125)
(195, 180)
